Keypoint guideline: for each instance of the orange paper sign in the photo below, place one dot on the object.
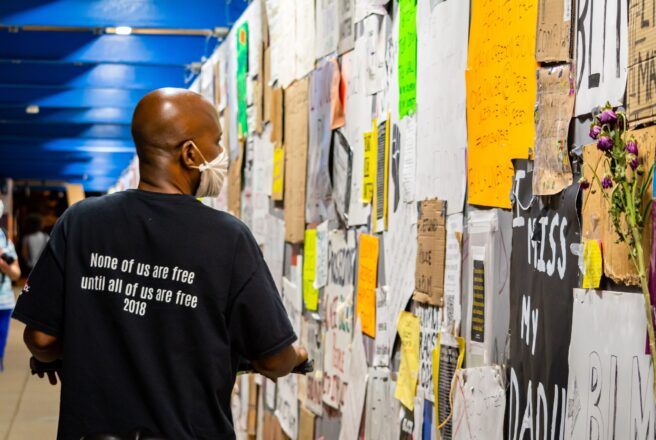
(501, 92)
(367, 271)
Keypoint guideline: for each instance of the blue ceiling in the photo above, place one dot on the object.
(86, 82)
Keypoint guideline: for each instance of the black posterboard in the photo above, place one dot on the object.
(543, 272)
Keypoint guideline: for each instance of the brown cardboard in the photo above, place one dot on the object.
(272, 429)
(305, 424)
(277, 112)
(553, 31)
(555, 107)
(296, 147)
(641, 84)
(597, 224)
(234, 183)
(431, 249)
(267, 90)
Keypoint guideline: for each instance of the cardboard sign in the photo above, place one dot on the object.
(554, 31)
(543, 272)
(276, 115)
(553, 171)
(234, 182)
(431, 249)
(296, 146)
(597, 224)
(641, 93)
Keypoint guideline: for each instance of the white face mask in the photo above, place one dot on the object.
(212, 174)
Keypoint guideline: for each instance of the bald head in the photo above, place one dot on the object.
(174, 130)
(166, 118)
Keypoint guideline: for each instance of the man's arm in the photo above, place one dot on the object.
(281, 363)
(44, 347)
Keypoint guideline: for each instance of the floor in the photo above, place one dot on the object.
(28, 405)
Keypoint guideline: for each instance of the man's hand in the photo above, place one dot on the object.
(51, 369)
(281, 363)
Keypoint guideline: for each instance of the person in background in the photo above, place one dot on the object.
(34, 241)
(150, 300)
(9, 271)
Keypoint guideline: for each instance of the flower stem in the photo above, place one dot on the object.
(640, 265)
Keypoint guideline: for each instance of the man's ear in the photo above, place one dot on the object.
(189, 154)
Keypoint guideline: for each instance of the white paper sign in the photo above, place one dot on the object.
(274, 248)
(429, 321)
(442, 39)
(287, 404)
(602, 54)
(357, 380)
(479, 404)
(321, 269)
(382, 349)
(452, 272)
(610, 385)
(292, 299)
(339, 314)
(358, 113)
(408, 129)
(327, 31)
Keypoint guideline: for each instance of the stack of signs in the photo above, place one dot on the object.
(542, 275)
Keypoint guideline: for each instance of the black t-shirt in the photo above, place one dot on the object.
(156, 298)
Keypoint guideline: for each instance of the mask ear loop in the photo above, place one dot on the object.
(203, 166)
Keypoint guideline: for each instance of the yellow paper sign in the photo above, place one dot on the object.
(368, 176)
(278, 173)
(310, 294)
(501, 92)
(593, 268)
(367, 272)
(406, 385)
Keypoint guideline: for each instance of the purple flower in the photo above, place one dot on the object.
(595, 130)
(608, 117)
(584, 184)
(606, 182)
(632, 147)
(633, 163)
(605, 143)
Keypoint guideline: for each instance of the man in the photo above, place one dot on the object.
(152, 299)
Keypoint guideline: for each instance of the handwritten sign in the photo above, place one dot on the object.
(641, 93)
(339, 314)
(310, 293)
(500, 100)
(555, 106)
(601, 53)
(429, 319)
(431, 248)
(367, 272)
(278, 173)
(315, 348)
(406, 385)
(369, 167)
(407, 57)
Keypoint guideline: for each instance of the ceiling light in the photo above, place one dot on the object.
(32, 109)
(122, 30)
